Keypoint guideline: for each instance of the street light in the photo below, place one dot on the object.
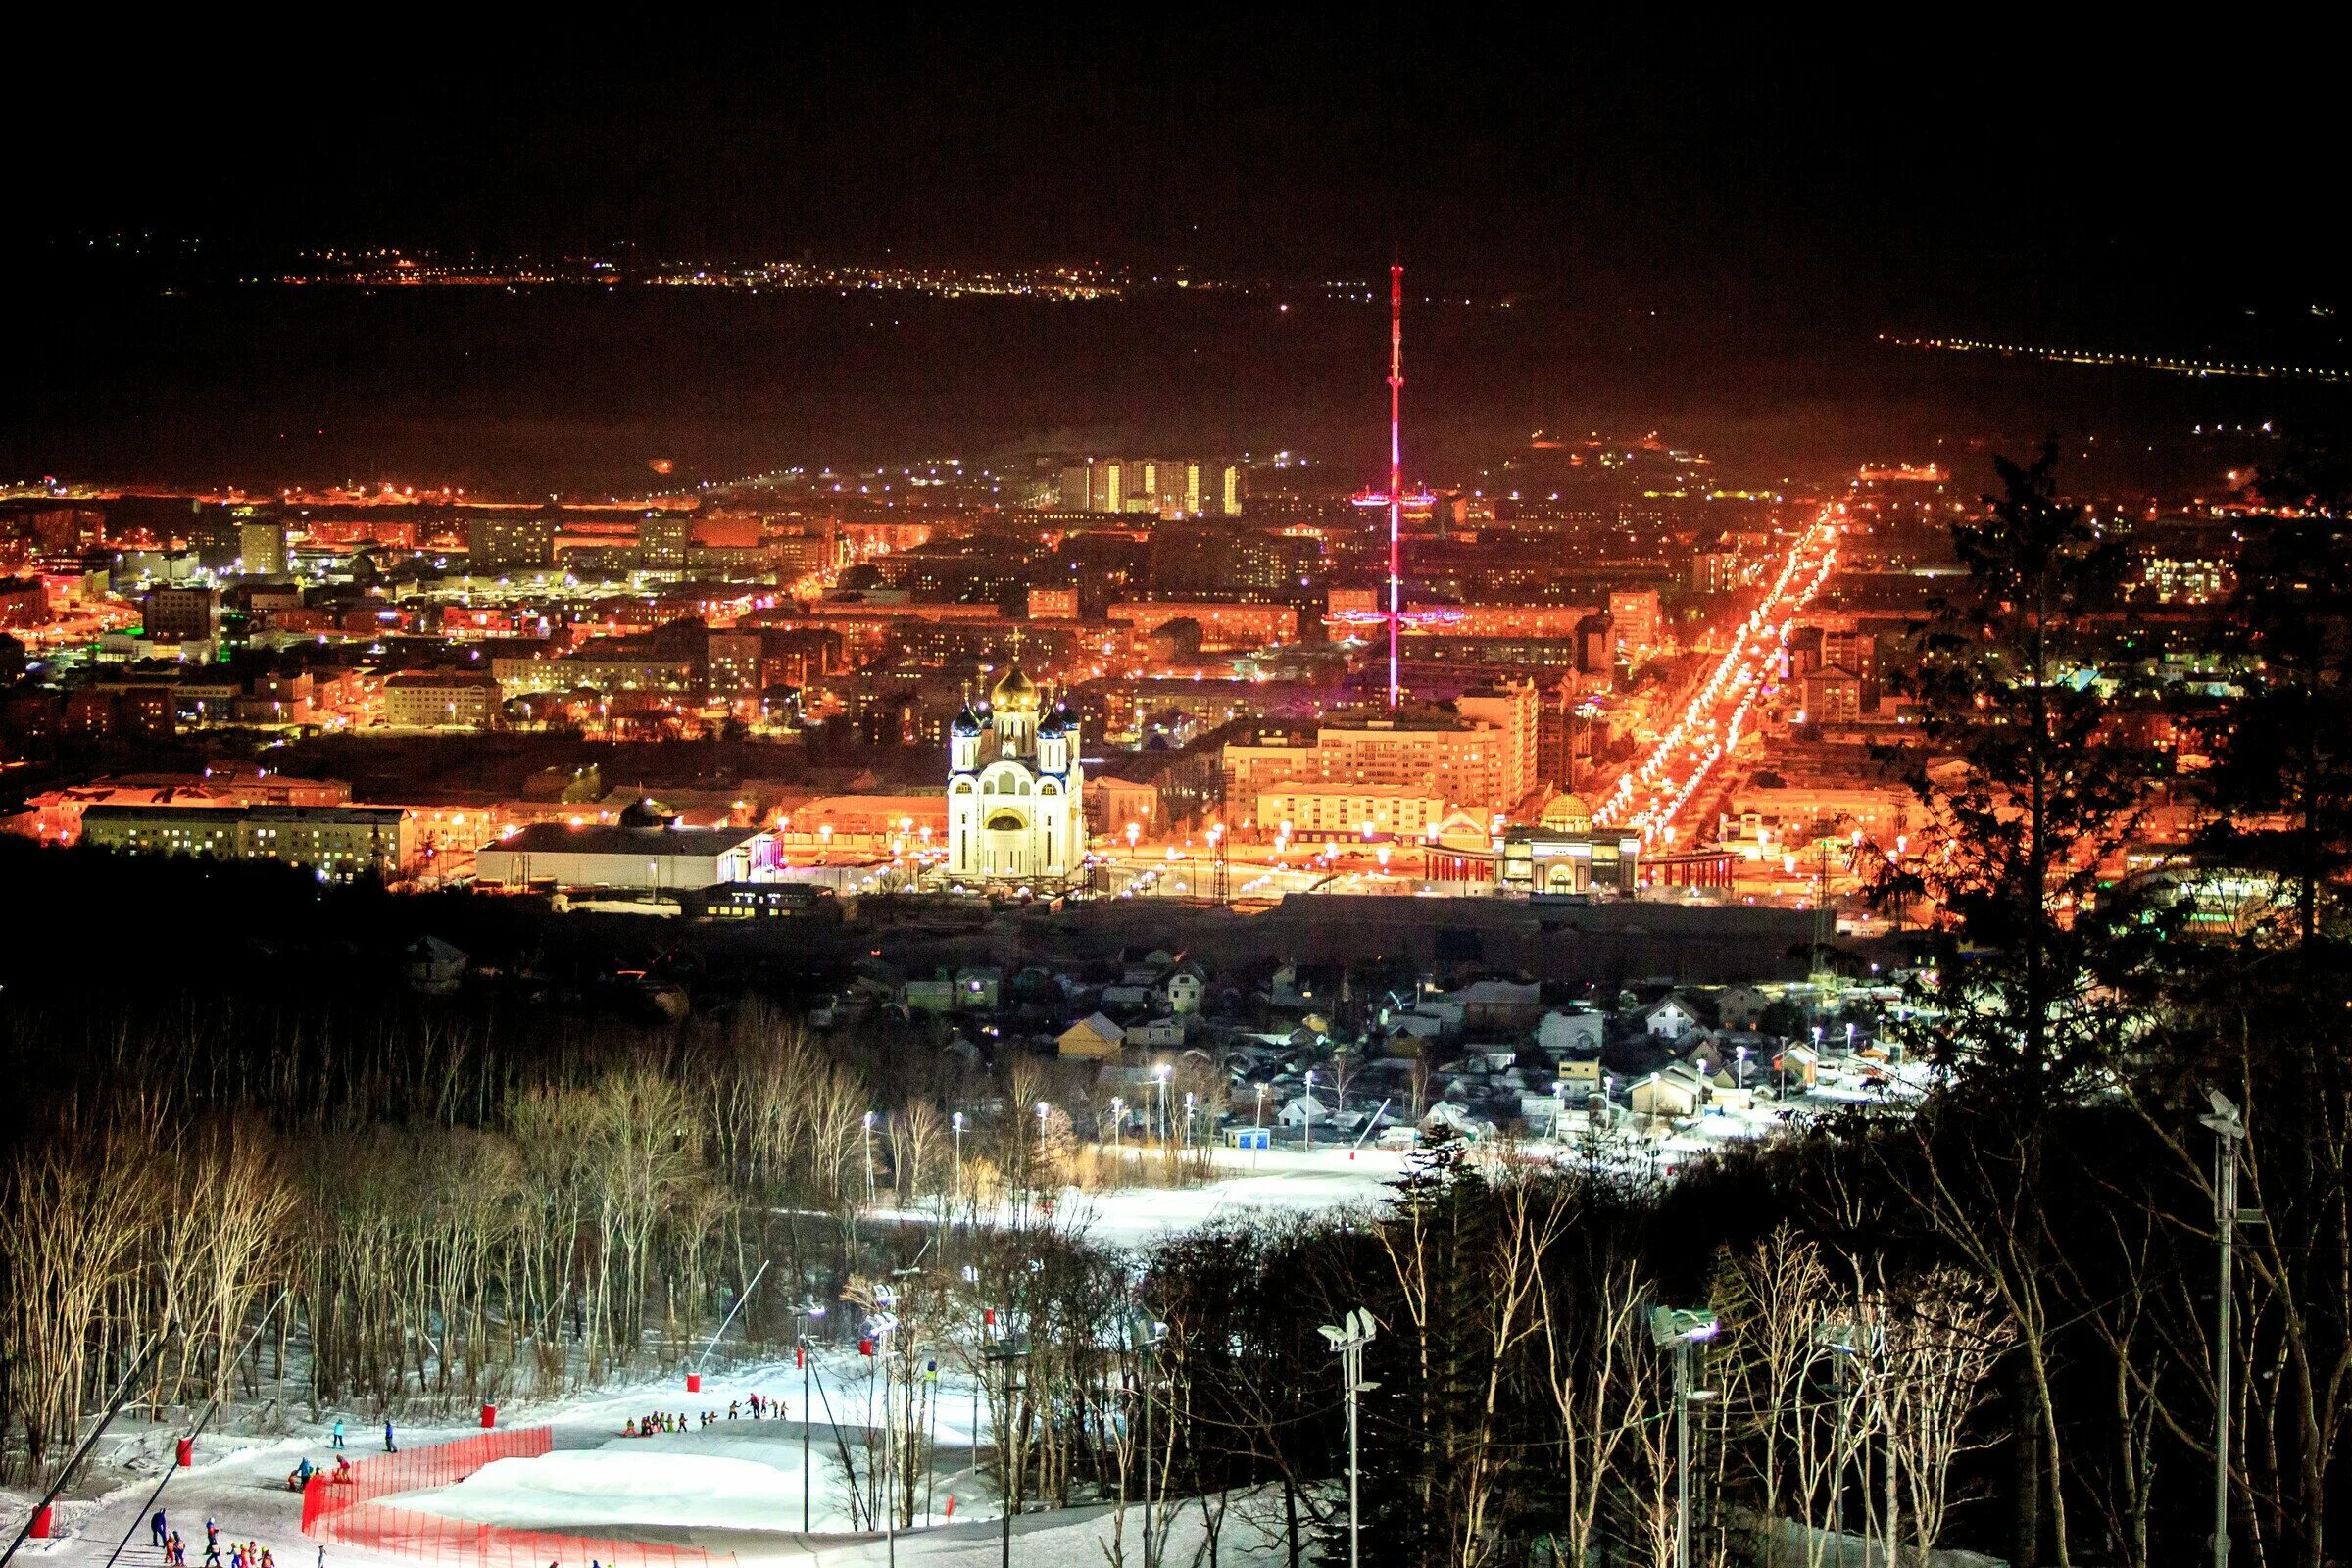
(1347, 1340)
(1680, 1328)
(956, 1121)
(2228, 1127)
(1118, 1113)
(1309, 1103)
(1159, 1082)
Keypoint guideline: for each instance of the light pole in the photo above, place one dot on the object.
(1145, 1336)
(956, 1122)
(1159, 1082)
(1347, 1340)
(1004, 1355)
(1679, 1329)
(1118, 1113)
(1308, 1101)
(870, 1159)
(2230, 1130)
(1044, 1110)
(1848, 1343)
(1188, 1118)
(810, 1310)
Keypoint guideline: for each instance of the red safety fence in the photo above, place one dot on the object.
(345, 1511)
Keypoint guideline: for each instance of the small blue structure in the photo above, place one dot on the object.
(1247, 1137)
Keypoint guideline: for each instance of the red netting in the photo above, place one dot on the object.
(345, 1511)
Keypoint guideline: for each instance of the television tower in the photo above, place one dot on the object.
(1393, 497)
(1395, 463)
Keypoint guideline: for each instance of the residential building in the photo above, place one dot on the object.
(336, 841)
(441, 699)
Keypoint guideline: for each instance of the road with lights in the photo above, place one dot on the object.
(1655, 792)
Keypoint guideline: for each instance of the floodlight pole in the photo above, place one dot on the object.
(1682, 1454)
(2229, 1131)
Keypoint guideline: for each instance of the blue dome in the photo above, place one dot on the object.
(1057, 722)
(968, 722)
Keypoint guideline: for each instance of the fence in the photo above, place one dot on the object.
(346, 1512)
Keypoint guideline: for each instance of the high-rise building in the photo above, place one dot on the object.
(661, 541)
(502, 544)
(1482, 755)
(261, 548)
(181, 614)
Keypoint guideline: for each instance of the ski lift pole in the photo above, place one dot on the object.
(81, 1451)
(730, 1317)
(211, 1409)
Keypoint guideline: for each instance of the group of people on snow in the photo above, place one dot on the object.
(661, 1422)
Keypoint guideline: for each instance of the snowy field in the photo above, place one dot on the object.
(734, 1487)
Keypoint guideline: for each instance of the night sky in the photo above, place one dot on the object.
(1771, 198)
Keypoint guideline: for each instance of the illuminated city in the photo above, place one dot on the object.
(780, 801)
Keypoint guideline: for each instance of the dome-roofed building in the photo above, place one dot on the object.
(1567, 814)
(1016, 789)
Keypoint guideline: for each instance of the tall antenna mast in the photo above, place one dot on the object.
(1395, 463)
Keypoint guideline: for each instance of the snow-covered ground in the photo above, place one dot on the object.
(733, 1487)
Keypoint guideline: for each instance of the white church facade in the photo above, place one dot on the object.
(1016, 807)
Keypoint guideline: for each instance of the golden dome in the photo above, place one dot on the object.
(1014, 694)
(1568, 813)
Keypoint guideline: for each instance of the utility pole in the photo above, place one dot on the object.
(2229, 1132)
(1347, 1340)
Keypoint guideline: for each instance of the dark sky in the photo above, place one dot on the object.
(1667, 157)
(1700, 229)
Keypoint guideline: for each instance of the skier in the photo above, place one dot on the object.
(338, 1432)
(389, 1446)
(734, 1409)
(322, 1554)
(212, 1538)
(155, 1528)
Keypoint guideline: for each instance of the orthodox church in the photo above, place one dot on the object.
(1016, 809)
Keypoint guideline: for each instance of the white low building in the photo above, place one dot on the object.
(648, 858)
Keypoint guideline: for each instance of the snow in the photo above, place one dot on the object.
(627, 1490)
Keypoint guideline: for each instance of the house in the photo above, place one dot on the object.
(1181, 991)
(1579, 1076)
(1499, 1007)
(1673, 1092)
(1303, 1110)
(1127, 997)
(1155, 1033)
(1299, 985)
(1447, 1116)
(1091, 1037)
(935, 995)
(1740, 1006)
(1566, 1034)
(435, 967)
(1673, 1017)
(1797, 1064)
